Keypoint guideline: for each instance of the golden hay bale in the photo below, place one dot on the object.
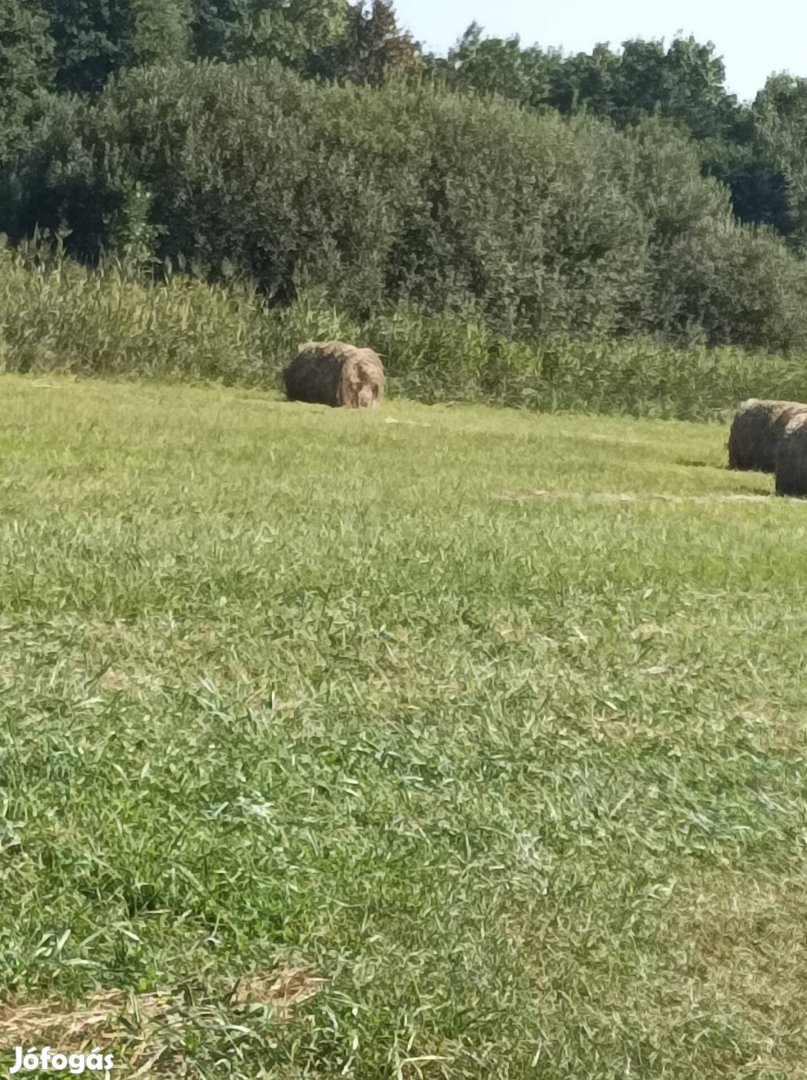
(791, 458)
(333, 373)
(756, 431)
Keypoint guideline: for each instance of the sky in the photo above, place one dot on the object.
(753, 41)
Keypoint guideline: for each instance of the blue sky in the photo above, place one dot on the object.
(753, 41)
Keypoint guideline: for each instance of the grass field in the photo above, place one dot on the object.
(367, 720)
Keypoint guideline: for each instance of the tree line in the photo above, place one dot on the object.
(311, 144)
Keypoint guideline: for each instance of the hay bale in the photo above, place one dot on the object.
(756, 430)
(791, 458)
(333, 373)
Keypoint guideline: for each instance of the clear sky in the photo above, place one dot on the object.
(754, 40)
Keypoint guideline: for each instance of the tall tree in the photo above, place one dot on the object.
(92, 40)
(284, 30)
(590, 81)
(685, 82)
(161, 31)
(26, 64)
(779, 121)
(370, 48)
(501, 66)
(95, 39)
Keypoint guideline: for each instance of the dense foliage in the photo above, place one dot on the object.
(58, 315)
(299, 146)
(540, 225)
(758, 150)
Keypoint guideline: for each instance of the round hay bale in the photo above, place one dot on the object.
(791, 458)
(337, 374)
(756, 430)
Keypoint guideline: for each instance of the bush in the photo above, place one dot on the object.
(736, 285)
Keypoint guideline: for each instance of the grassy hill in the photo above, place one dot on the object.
(463, 749)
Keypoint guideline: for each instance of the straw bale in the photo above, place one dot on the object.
(337, 374)
(756, 430)
(791, 458)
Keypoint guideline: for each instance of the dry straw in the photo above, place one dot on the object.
(791, 458)
(334, 373)
(147, 1029)
(757, 428)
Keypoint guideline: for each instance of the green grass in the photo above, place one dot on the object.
(522, 778)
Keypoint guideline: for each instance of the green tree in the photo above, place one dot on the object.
(284, 30)
(26, 65)
(95, 39)
(92, 41)
(759, 192)
(538, 225)
(685, 82)
(695, 92)
(500, 66)
(779, 123)
(370, 49)
(589, 81)
(161, 30)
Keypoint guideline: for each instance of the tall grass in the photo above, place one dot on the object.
(58, 315)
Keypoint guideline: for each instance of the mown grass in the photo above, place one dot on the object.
(521, 778)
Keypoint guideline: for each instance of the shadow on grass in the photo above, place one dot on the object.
(699, 464)
(763, 492)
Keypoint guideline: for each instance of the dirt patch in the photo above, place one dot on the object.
(691, 463)
(280, 989)
(151, 1027)
(742, 949)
